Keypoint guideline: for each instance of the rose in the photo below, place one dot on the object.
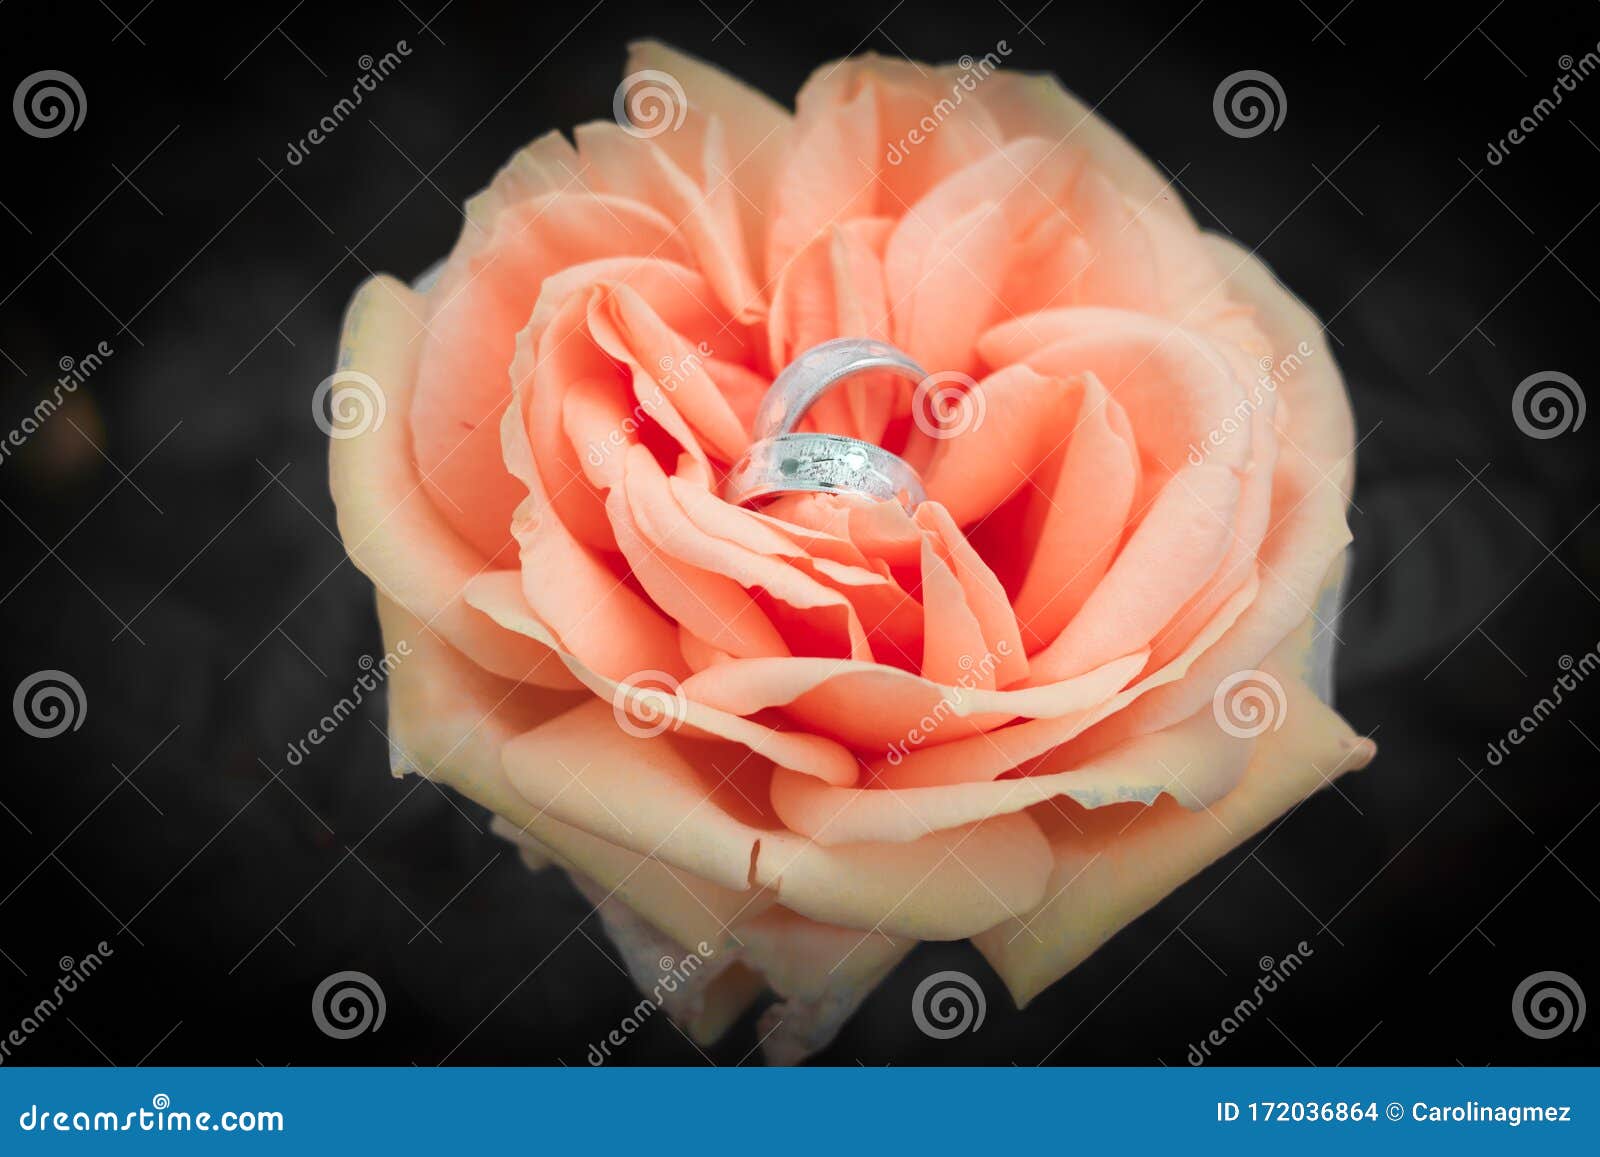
(813, 735)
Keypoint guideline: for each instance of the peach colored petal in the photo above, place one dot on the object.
(1175, 549)
(684, 572)
(655, 797)
(669, 379)
(829, 175)
(673, 538)
(449, 720)
(681, 173)
(853, 155)
(941, 887)
(709, 990)
(1121, 865)
(878, 709)
(638, 693)
(943, 298)
(994, 753)
(741, 386)
(833, 287)
(947, 260)
(1025, 415)
(861, 307)
(821, 972)
(590, 612)
(1077, 526)
(391, 529)
(547, 364)
(677, 294)
(1096, 249)
(1049, 263)
(1250, 527)
(1191, 285)
(734, 524)
(483, 298)
(1174, 384)
(1036, 105)
(1321, 424)
(965, 135)
(1194, 762)
(1002, 655)
(1305, 543)
(547, 165)
(681, 905)
(713, 216)
(952, 638)
(758, 128)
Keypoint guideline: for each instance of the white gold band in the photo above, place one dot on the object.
(784, 461)
(817, 371)
(822, 464)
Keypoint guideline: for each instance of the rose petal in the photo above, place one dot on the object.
(1195, 762)
(1024, 416)
(680, 804)
(1174, 384)
(391, 529)
(994, 753)
(1036, 105)
(1121, 864)
(1177, 546)
(1076, 527)
(1321, 424)
(483, 298)
(757, 127)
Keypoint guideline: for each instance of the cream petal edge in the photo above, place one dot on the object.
(655, 796)
(819, 973)
(1194, 762)
(386, 520)
(1101, 884)
(461, 726)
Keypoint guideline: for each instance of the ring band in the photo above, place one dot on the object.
(817, 371)
(782, 460)
(822, 464)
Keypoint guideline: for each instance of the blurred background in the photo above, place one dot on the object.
(169, 545)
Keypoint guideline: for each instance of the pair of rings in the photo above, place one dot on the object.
(782, 460)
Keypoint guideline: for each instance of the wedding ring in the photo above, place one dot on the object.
(817, 371)
(822, 464)
(783, 460)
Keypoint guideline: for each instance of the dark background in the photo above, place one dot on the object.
(167, 535)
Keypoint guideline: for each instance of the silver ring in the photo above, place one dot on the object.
(817, 371)
(822, 464)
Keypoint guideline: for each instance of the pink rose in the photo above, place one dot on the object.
(811, 735)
